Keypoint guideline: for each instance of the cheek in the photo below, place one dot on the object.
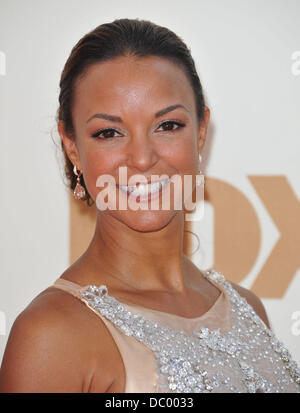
(96, 162)
(183, 155)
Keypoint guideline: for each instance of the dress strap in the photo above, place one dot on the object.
(140, 377)
(69, 286)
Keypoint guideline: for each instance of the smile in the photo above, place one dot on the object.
(143, 190)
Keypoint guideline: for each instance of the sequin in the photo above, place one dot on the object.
(191, 363)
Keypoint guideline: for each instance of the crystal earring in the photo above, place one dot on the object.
(200, 181)
(200, 178)
(79, 191)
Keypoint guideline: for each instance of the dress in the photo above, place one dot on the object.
(228, 349)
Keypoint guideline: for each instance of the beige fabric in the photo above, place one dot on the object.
(139, 361)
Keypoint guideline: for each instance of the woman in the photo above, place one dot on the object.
(133, 314)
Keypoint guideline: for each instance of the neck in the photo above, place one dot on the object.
(143, 261)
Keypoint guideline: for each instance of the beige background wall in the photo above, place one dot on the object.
(248, 58)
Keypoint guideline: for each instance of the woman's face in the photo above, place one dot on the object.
(140, 135)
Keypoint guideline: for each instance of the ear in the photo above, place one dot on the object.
(203, 129)
(69, 145)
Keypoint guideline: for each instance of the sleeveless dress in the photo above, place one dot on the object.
(228, 349)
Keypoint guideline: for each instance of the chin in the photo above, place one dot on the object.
(147, 221)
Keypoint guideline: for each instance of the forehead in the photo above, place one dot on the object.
(131, 83)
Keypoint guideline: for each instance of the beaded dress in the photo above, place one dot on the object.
(228, 349)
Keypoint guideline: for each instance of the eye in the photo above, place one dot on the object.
(169, 125)
(106, 133)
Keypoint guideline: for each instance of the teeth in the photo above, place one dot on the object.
(144, 190)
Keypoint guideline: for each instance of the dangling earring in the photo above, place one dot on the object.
(200, 178)
(79, 191)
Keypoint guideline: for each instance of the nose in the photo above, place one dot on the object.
(141, 154)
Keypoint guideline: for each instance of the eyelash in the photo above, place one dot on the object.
(97, 134)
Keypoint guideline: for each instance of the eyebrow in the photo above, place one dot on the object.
(118, 119)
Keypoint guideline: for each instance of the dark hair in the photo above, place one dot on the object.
(122, 37)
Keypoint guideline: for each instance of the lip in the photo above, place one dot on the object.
(147, 182)
(149, 196)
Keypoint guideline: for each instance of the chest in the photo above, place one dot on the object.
(248, 358)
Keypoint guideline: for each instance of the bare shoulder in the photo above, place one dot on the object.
(254, 301)
(52, 348)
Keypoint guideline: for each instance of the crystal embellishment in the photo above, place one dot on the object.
(248, 358)
(79, 191)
